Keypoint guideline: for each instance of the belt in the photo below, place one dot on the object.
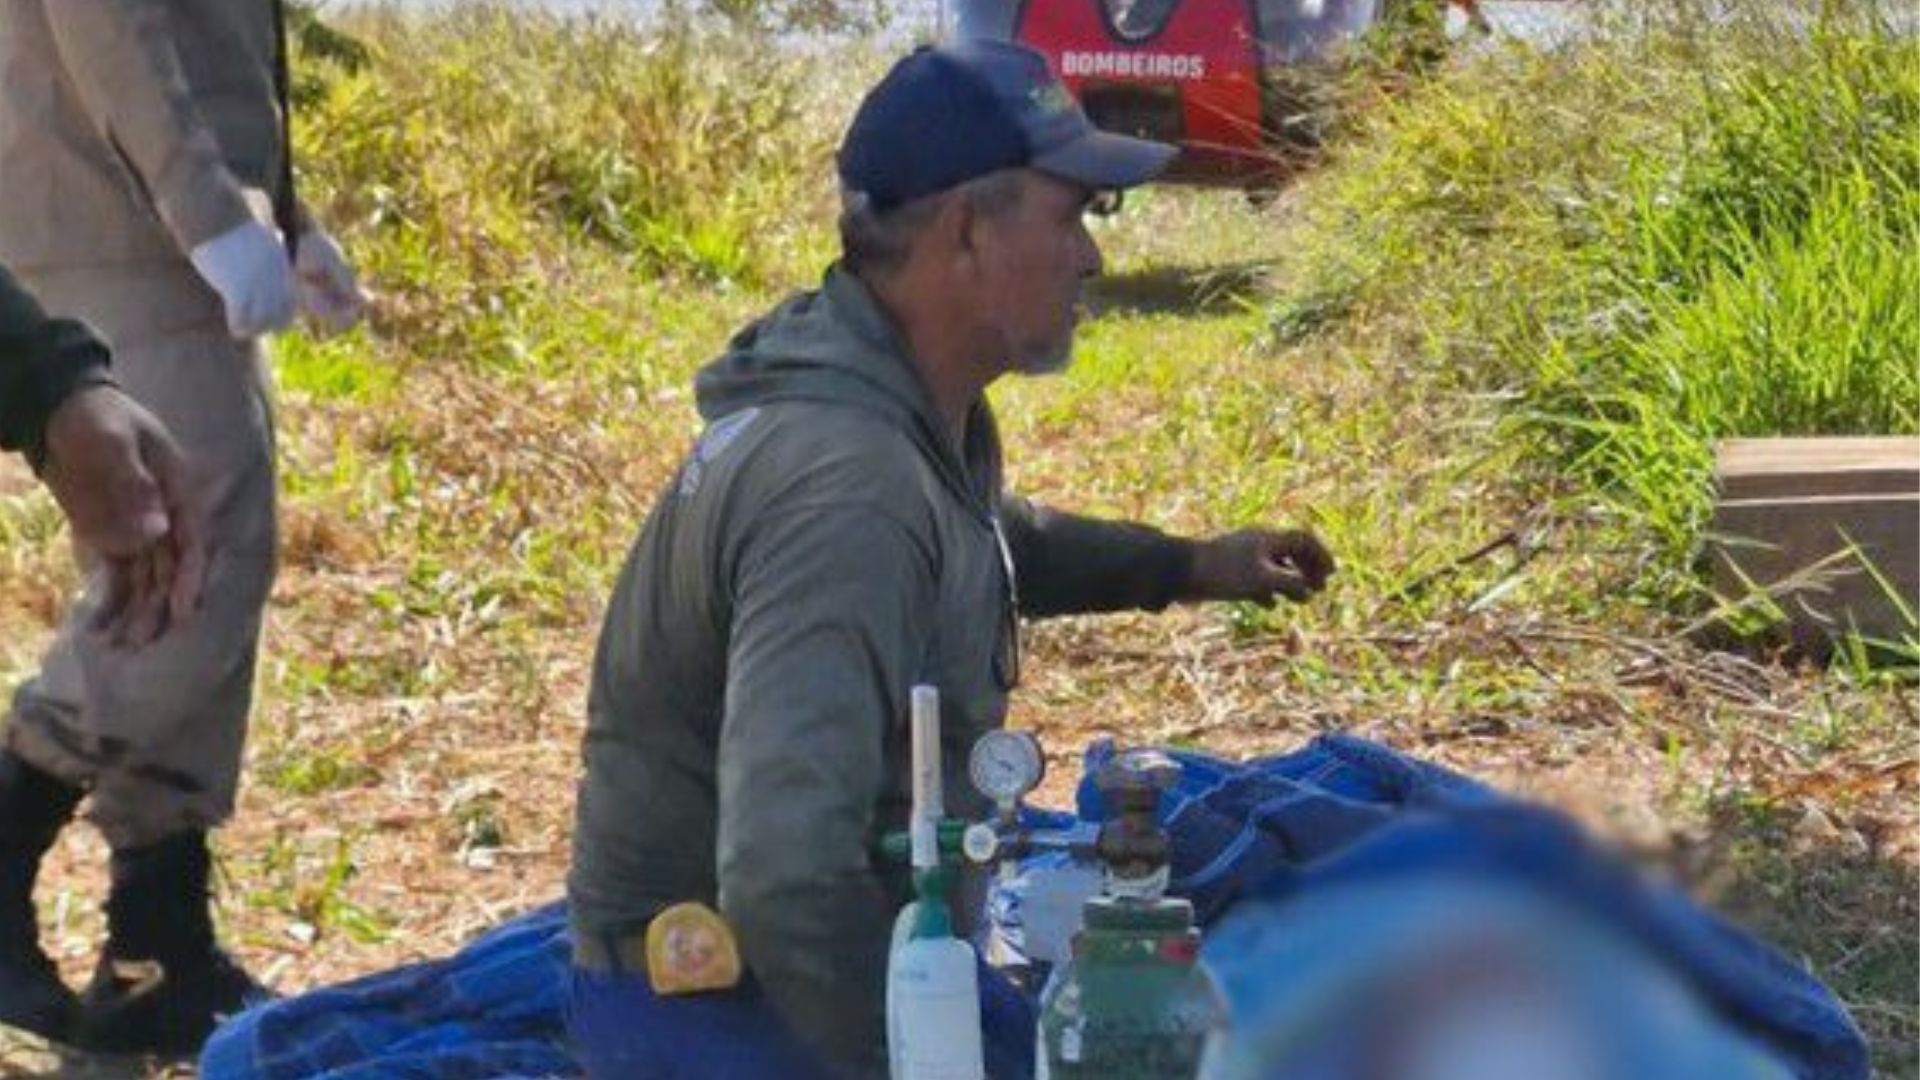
(684, 949)
(612, 952)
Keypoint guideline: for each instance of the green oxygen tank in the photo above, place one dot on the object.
(1131, 1003)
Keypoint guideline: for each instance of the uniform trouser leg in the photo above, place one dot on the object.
(157, 733)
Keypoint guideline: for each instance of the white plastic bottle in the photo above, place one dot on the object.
(934, 985)
(933, 982)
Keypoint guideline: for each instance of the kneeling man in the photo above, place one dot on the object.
(838, 535)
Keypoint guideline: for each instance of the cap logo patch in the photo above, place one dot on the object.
(1051, 99)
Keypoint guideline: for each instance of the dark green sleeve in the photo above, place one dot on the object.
(832, 616)
(1069, 565)
(42, 360)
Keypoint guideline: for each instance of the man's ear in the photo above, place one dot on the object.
(959, 228)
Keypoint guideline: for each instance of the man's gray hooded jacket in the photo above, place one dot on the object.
(823, 549)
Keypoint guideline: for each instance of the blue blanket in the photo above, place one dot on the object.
(1344, 812)
(491, 1012)
(1247, 839)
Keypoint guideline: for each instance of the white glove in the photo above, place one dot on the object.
(329, 292)
(248, 268)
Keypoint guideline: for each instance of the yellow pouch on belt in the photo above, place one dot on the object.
(690, 948)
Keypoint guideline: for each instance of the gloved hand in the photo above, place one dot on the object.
(248, 268)
(329, 292)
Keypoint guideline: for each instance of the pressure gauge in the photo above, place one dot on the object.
(1005, 765)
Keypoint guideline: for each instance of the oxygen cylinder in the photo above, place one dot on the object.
(1131, 1003)
(933, 980)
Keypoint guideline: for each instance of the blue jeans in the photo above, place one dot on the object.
(620, 1030)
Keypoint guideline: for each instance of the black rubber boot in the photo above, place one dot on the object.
(34, 807)
(163, 983)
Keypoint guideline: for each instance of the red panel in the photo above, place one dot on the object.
(1206, 51)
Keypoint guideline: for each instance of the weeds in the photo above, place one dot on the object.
(1676, 233)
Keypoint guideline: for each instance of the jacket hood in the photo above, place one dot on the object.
(836, 345)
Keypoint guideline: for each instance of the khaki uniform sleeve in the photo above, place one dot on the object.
(1066, 564)
(830, 625)
(42, 360)
(120, 55)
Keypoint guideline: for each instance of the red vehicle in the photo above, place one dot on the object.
(1218, 78)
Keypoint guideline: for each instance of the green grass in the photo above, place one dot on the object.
(1683, 232)
(501, 154)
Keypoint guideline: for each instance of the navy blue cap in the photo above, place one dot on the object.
(947, 115)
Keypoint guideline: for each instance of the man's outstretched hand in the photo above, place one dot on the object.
(1259, 565)
(125, 489)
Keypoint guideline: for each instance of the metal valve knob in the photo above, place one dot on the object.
(1134, 848)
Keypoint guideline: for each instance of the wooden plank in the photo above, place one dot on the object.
(1817, 467)
(1777, 543)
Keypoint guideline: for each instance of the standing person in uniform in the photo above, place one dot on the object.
(148, 192)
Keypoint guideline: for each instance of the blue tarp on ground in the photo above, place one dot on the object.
(491, 1012)
(1339, 813)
